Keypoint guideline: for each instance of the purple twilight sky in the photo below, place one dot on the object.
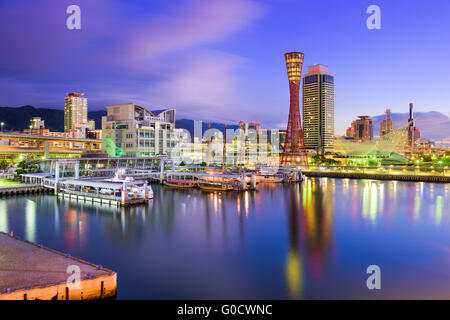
(223, 60)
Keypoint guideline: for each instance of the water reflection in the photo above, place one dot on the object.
(4, 227)
(283, 241)
(30, 220)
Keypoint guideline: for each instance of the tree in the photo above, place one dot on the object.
(3, 165)
(110, 147)
(23, 165)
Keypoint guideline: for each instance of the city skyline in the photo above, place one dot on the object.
(231, 71)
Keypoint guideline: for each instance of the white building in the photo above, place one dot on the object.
(75, 111)
(139, 132)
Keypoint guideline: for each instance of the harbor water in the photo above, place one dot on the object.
(313, 240)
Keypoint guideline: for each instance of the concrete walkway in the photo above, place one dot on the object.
(29, 271)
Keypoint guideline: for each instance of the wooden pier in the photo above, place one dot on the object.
(32, 272)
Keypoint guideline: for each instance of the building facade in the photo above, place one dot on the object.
(361, 129)
(318, 109)
(387, 125)
(136, 131)
(75, 111)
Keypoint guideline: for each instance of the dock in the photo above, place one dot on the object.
(29, 271)
(22, 189)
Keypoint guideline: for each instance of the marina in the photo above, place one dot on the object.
(125, 182)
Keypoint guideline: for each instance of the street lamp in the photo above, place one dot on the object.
(2, 124)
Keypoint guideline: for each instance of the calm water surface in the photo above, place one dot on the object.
(305, 241)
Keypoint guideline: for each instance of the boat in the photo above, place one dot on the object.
(215, 186)
(268, 178)
(292, 176)
(180, 181)
(180, 184)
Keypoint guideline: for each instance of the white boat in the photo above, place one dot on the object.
(268, 178)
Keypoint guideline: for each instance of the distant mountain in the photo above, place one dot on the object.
(433, 125)
(16, 119)
(188, 124)
(19, 118)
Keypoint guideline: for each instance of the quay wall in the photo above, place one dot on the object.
(358, 175)
(29, 271)
(25, 189)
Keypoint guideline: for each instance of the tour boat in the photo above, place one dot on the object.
(179, 180)
(269, 178)
(215, 186)
(180, 183)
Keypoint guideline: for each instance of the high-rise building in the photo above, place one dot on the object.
(75, 111)
(361, 129)
(294, 152)
(318, 109)
(387, 125)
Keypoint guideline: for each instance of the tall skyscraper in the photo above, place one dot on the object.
(318, 109)
(75, 111)
(294, 152)
(387, 125)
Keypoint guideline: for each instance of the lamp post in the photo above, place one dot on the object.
(2, 124)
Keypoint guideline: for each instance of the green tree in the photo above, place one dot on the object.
(110, 147)
(3, 165)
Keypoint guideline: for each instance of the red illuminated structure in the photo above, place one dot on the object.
(294, 152)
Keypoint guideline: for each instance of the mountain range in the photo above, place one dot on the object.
(433, 125)
(17, 119)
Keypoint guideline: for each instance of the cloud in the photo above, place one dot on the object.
(203, 83)
(124, 52)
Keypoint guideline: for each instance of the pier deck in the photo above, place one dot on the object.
(29, 271)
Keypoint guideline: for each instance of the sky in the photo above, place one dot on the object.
(222, 60)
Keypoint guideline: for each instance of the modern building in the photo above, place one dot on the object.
(387, 125)
(361, 129)
(318, 109)
(75, 111)
(37, 126)
(136, 131)
(37, 123)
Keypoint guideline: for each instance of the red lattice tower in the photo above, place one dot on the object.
(294, 152)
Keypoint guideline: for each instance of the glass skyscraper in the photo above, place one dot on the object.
(318, 109)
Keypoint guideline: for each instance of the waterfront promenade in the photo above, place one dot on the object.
(29, 272)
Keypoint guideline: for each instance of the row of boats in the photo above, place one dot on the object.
(224, 182)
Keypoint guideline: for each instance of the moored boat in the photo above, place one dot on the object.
(180, 184)
(181, 181)
(269, 178)
(215, 186)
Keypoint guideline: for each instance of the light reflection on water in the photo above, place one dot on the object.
(299, 241)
